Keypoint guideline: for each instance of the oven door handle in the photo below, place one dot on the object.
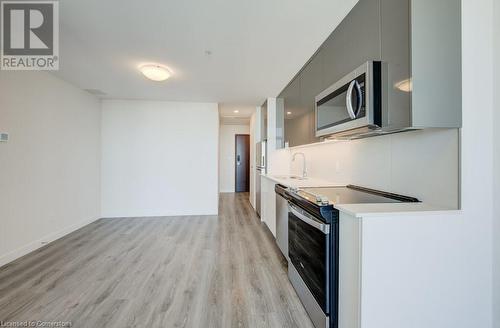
(324, 228)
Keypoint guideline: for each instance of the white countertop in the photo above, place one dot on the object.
(366, 210)
(393, 209)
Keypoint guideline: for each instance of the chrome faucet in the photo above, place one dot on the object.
(304, 167)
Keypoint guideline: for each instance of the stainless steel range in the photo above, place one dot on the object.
(313, 244)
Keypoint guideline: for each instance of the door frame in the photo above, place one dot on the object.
(235, 162)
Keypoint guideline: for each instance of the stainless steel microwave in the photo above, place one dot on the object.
(353, 105)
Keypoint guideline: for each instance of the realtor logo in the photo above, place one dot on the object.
(29, 35)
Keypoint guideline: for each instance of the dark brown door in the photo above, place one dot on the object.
(242, 163)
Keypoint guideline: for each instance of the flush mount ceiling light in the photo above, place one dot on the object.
(236, 111)
(155, 72)
(288, 113)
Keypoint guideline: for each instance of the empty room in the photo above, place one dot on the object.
(268, 164)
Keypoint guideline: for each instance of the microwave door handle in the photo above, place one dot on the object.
(353, 86)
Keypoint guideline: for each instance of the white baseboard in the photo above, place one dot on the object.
(17, 253)
(165, 216)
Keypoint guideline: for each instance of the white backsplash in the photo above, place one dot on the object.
(423, 164)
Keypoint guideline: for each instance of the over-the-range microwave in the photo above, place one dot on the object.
(354, 104)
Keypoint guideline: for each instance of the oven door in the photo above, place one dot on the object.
(309, 252)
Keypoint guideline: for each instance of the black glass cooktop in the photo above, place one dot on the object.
(321, 202)
(349, 195)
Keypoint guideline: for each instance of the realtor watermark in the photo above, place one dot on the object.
(29, 35)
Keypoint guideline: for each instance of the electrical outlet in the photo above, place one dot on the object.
(4, 137)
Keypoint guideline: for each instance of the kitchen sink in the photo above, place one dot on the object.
(298, 178)
(291, 177)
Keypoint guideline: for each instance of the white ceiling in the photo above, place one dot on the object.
(227, 110)
(234, 114)
(256, 46)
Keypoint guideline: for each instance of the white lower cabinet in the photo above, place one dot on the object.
(402, 270)
(263, 198)
(349, 271)
(268, 201)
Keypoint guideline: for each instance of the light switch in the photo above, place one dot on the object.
(4, 137)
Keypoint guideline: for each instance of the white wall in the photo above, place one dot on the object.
(252, 159)
(159, 158)
(50, 168)
(496, 152)
(255, 132)
(227, 158)
(477, 159)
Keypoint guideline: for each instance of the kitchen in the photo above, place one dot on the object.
(253, 165)
(391, 126)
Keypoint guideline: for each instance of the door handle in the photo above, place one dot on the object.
(354, 86)
(324, 228)
(238, 160)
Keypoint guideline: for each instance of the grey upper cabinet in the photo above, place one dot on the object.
(419, 44)
(355, 41)
(295, 130)
(311, 84)
(395, 47)
(421, 47)
(263, 124)
(436, 63)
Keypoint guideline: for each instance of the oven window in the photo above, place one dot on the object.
(309, 252)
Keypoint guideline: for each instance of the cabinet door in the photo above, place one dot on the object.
(263, 123)
(280, 123)
(271, 207)
(355, 41)
(291, 101)
(282, 224)
(263, 199)
(311, 84)
(395, 27)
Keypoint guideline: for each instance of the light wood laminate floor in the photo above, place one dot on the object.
(197, 271)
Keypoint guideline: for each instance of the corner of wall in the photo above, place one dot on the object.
(64, 174)
(252, 161)
(496, 166)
